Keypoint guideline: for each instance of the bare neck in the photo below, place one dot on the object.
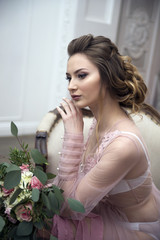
(111, 113)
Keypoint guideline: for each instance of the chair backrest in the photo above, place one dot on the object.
(50, 132)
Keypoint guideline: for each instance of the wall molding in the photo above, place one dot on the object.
(66, 34)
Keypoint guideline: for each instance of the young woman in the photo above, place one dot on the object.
(109, 174)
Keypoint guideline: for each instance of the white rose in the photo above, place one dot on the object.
(25, 179)
(25, 194)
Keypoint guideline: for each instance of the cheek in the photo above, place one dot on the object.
(93, 85)
(95, 89)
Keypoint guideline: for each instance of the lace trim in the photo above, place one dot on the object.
(91, 161)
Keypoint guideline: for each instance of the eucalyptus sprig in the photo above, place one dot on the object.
(19, 154)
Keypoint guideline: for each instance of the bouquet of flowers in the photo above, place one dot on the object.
(27, 202)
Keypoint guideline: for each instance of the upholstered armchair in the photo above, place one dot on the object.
(50, 133)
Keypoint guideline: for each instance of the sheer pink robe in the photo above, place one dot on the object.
(115, 186)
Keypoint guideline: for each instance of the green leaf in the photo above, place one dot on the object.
(58, 194)
(2, 224)
(76, 205)
(38, 157)
(35, 194)
(12, 179)
(50, 175)
(6, 164)
(14, 129)
(12, 232)
(12, 167)
(26, 146)
(48, 213)
(24, 228)
(52, 237)
(22, 237)
(15, 195)
(46, 201)
(54, 202)
(42, 176)
(40, 167)
(39, 224)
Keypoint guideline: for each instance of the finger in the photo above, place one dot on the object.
(61, 112)
(70, 104)
(66, 107)
(73, 107)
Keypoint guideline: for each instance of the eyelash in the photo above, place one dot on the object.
(68, 78)
(80, 76)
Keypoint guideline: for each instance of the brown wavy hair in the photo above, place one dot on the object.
(117, 72)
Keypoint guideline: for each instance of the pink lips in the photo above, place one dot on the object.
(76, 97)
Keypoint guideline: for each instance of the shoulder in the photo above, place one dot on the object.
(123, 148)
(119, 157)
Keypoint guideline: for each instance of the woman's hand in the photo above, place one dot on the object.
(72, 117)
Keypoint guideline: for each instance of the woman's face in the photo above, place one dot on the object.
(84, 81)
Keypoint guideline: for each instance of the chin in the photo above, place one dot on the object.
(80, 105)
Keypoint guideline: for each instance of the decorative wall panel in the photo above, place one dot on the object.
(139, 31)
(98, 17)
(101, 11)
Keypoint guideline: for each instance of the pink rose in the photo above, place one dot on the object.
(24, 212)
(7, 211)
(24, 167)
(7, 192)
(35, 183)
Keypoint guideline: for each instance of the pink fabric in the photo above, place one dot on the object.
(115, 187)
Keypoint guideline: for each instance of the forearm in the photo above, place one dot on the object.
(71, 156)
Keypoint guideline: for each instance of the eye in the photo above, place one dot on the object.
(68, 78)
(82, 75)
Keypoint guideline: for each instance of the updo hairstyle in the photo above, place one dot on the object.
(117, 73)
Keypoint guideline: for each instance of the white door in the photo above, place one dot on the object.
(98, 17)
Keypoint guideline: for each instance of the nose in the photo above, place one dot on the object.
(72, 85)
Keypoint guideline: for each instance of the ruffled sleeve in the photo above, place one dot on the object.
(70, 156)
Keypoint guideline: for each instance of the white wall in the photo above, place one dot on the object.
(34, 35)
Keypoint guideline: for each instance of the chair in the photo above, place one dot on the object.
(50, 132)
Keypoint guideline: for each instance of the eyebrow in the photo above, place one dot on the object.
(78, 70)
